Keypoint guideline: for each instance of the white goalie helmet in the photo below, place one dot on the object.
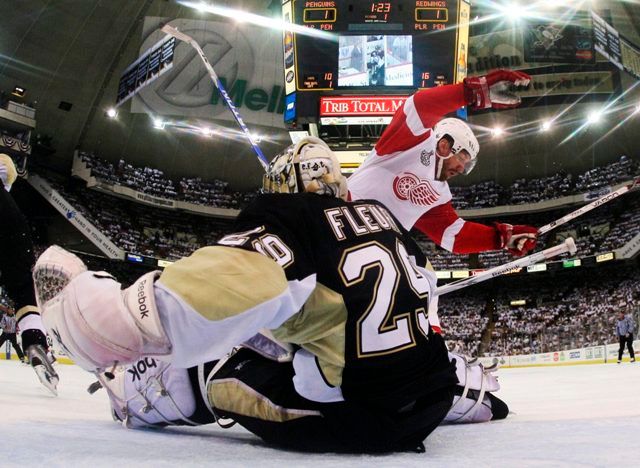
(307, 166)
(462, 139)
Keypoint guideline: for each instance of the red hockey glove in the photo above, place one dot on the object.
(492, 90)
(518, 240)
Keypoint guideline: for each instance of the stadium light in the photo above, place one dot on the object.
(594, 117)
(550, 3)
(159, 123)
(19, 91)
(201, 7)
(513, 10)
(112, 113)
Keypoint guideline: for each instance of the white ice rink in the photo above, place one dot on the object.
(561, 416)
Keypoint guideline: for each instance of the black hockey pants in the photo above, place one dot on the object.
(628, 340)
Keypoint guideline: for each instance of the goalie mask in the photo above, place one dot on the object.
(462, 139)
(8, 171)
(308, 166)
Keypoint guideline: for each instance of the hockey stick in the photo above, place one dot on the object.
(568, 245)
(594, 204)
(218, 84)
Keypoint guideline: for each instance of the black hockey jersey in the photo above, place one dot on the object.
(366, 320)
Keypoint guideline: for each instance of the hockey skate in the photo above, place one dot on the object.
(43, 368)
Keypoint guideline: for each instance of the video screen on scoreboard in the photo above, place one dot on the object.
(375, 60)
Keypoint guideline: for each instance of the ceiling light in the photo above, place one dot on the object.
(497, 131)
(19, 91)
(513, 11)
(207, 131)
(112, 113)
(594, 117)
(159, 123)
(546, 126)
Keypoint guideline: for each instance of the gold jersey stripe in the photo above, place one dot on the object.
(320, 329)
(25, 310)
(221, 282)
(236, 397)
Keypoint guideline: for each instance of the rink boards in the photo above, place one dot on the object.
(590, 355)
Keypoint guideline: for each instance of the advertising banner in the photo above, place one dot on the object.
(74, 217)
(360, 105)
(247, 59)
(631, 249)
(558, 41)
(153, 63)
(607, 40)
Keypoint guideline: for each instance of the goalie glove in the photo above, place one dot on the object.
(492, 90)
(518, 239)
(88, 316)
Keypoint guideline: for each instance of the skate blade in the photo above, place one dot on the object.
(48, 380)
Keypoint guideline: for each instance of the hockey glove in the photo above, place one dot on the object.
(95, 322)
(518, 239)
(492, 90)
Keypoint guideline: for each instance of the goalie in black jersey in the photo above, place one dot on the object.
(341, 281)
(253, 386)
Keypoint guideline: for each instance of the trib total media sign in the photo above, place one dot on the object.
(342, 106)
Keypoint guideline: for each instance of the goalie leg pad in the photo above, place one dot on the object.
(150, 392)
(473, 375)
(472, 400)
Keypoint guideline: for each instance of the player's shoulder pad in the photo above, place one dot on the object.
(269, 207)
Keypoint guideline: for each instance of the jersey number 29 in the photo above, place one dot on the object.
(381, 328)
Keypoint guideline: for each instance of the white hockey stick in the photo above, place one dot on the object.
(218, 84)
(594, 204)
(568, 245)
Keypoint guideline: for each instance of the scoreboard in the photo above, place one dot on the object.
(361, 47)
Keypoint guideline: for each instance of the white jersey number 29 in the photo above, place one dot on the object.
(379, 330)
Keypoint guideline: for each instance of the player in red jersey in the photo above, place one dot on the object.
(409, 168)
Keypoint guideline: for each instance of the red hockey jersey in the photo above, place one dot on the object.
(401, 173)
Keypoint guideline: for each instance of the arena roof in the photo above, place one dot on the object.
(75, 50)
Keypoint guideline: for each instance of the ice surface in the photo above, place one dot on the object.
(561, 416)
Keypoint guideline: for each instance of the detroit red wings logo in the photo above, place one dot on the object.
(408, 186)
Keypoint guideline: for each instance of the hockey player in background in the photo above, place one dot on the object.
(343, 282)
(420, 151)
(15, 265)
(8, 327)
